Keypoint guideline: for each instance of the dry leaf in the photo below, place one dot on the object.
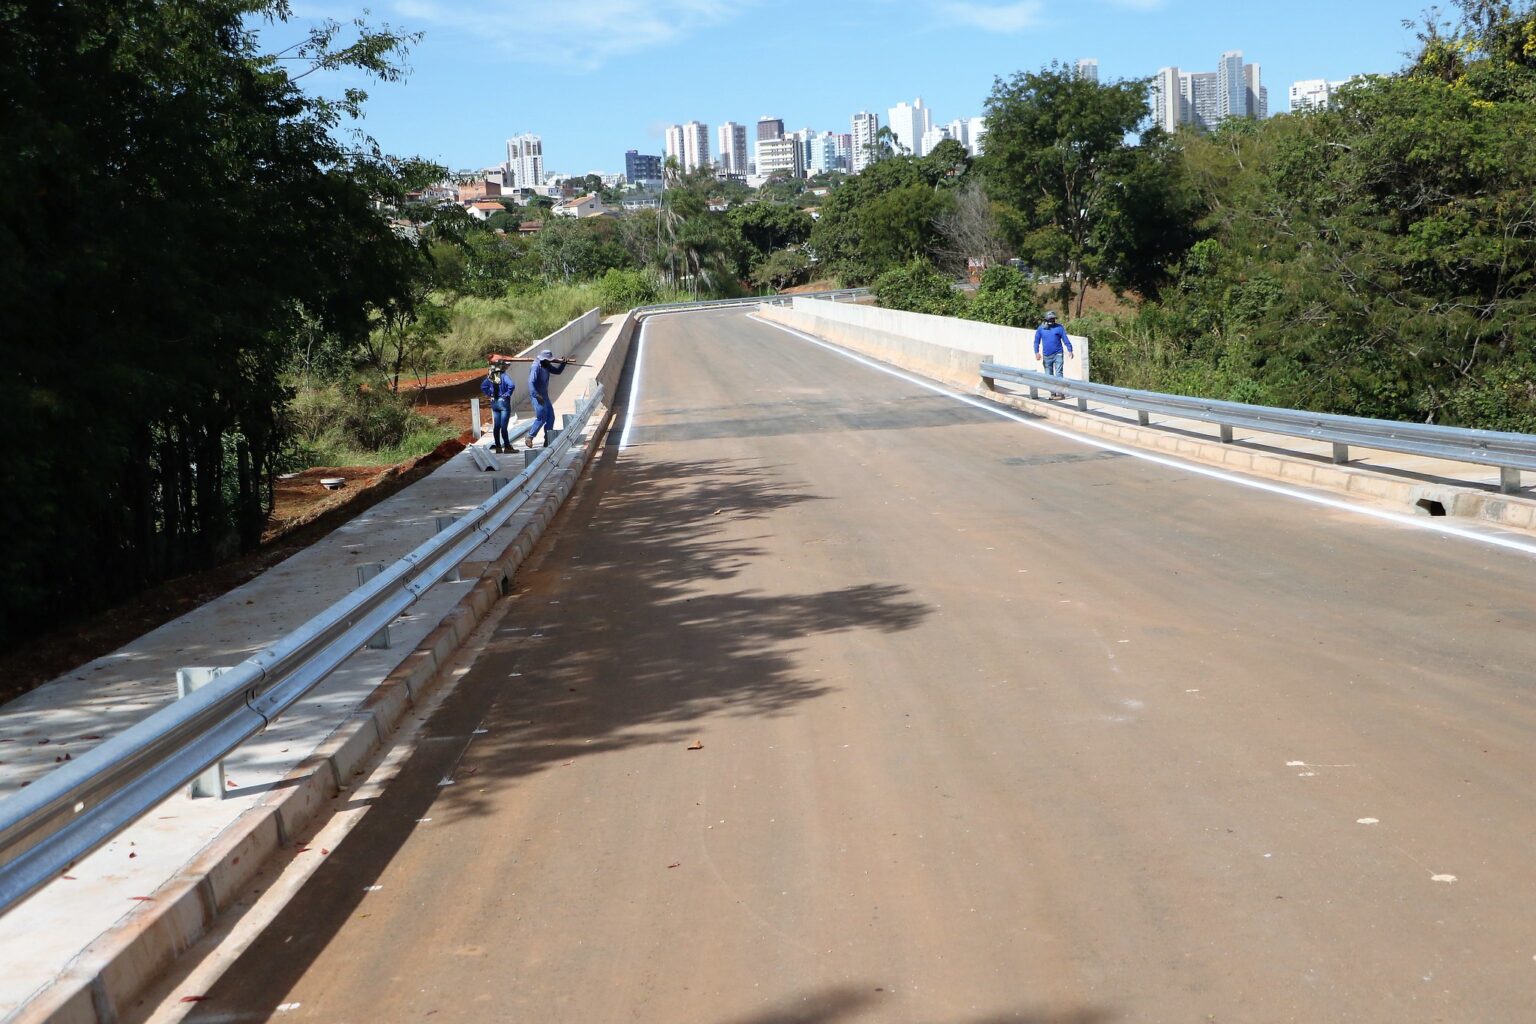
(696, 745)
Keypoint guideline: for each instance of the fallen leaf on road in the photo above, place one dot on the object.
(324, 851)
(567, 764)
(68, 878)
(696, 745)
(193, 999)
(717, 511)
(142, 899)
(677, 865)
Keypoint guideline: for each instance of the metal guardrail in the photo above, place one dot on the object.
(1510, 452)
(81, 805)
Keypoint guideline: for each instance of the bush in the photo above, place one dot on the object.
(622, 290)
(366, 419)
(1005, 297)
(918, 288)
(782, 269)
(512, 321)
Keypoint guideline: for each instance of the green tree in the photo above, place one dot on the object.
(1057, 155)
(782, 269)
(1005, 297)
(158, 338)
(768, 227)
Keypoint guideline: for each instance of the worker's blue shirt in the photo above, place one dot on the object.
(538, 378)
(494, 389)
(1051, 339)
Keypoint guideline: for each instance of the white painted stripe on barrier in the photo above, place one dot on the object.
(634, 390)
(1433, 525)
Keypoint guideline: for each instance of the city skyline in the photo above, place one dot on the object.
(589, 107)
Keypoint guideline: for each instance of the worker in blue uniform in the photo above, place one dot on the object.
(538, 388)
(1050, 339)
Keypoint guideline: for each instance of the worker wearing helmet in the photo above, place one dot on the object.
(538, 388)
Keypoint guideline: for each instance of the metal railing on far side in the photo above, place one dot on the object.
(81, 805)
(1510, 453)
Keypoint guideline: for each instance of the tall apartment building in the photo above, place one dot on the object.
(525, 161)
(1231, 86)
(768, 128)
(933, 136)
(731, 139)
(641, 168)
(1088, 68)
(1169, 108)
(909, 124)
(865, 127)
(688, 144)
(824, 152)
(1255, 94)
(783, 155)
(1197, 90)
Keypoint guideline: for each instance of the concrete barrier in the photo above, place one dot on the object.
(1013, 346)
(948, 363)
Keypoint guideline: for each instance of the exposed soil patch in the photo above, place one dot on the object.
(305, 512)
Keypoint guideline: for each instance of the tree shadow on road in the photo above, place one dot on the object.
(848, 1003)
(621, 635)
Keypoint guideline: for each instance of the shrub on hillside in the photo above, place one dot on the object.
(1005, 297)
(621, 290)
(918, 288)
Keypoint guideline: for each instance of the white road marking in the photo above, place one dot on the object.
(1367, 821)
(634, 388)
(1432, 525)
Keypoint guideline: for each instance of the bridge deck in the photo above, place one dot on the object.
(995, 726)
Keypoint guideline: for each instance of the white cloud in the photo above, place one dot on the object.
(1008, 17)
(577, 37)
(1138, 5)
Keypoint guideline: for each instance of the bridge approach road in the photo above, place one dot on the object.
(995, 726)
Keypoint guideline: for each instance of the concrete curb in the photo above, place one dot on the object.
(105, 978)
(1508, 511)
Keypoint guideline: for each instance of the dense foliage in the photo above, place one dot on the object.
(178, 215)
(1377, 258)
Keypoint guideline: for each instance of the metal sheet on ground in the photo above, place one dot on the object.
(835, 700)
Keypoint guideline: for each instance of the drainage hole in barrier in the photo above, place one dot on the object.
(1430, 506)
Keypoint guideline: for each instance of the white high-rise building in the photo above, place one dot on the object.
(823, 153)
(865, 127)
(1088, 68)
(783, 155)
(909, 124)
(1314, 94)
(1169, 108)
(933, 136)
(525, 162)
(977, 135)
(688, 144)
(732, 138)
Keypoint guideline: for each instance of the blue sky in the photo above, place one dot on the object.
(597, 77)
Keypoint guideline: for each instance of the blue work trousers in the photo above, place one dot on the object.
(501, 412)
(543, 416)
(1054, 363)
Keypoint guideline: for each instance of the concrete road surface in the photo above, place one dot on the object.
(995, 726)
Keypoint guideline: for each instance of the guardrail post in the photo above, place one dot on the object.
(498, 482)
(475, 427)
(1226, 434)
(211, 781)
(1034, 392)
(443, 523)
(1340, 453)
(1082, 405)
(1509, 480)
(380, 640)
(529, 454)
(990, 383)
(1143, 418)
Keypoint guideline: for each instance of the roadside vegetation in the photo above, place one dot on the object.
(1377, 258)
